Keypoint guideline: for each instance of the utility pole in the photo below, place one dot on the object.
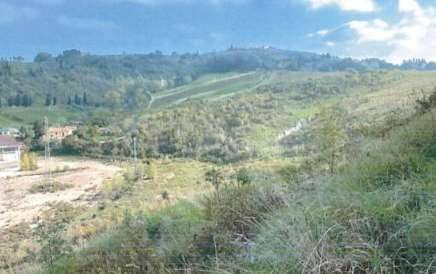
(47, 155)
(135, 157)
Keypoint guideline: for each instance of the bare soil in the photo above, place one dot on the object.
(82, 178)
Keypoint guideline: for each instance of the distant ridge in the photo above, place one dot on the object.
(65, 77)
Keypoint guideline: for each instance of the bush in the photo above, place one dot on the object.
(153, 243)
(119, 186)
(29, 161)
(48, 186)
(233, 214)
(243, 177)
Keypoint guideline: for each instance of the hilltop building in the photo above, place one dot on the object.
(10, 153)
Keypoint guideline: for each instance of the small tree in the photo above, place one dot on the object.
(28, 161)
(53, 245)
(426, 104)
(85, 98)
(331, 135)
(48, 100)
(165, 195)
(243, 177)
(215, 177)
(33, 161)
(25, 162)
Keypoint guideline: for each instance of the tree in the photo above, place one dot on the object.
(243, 177)
(112, 98)
(77, 100)
(28, 135)
(25, 162)
(55, 100)
(39, 132)
(26, 101)
(72, 144)
(85, 99)
(331, 135)
(42, 57)
(17, 101)
(72, 53)
(53, 245)
(215, 177)
(29, 162)
(48, 99)
(425, 104)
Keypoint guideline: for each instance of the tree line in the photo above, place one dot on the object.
(18, 100)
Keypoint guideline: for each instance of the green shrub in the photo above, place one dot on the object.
(48, 186)
(29, 161)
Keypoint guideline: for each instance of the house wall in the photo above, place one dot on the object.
(9, 158)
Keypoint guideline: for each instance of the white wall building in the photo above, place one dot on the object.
(10, 153)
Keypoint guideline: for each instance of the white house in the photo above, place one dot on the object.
(10, 153)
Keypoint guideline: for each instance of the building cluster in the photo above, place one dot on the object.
(11, 145)
(60, 133)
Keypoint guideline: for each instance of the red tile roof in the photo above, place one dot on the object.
(8, 141)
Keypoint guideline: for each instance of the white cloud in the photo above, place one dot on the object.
(409, 6)
(413, 36)
(346, 5)
(323, 32)
(85, 23)
(320, 33)
(372, 31)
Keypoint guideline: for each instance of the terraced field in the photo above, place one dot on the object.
(210, 89)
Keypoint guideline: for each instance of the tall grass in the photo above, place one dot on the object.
(375, 216)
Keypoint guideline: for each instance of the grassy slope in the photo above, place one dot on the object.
(16, 117)
(209, 88)
(57, 115)
(375, 216)
(185, 179)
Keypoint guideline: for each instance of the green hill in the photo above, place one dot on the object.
(249, 161)
(375, 214)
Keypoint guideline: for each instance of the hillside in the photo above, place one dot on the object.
(231, 117)
(128, 80)
(372, 213)
(244, 161)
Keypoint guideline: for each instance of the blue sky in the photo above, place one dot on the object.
(388, 29)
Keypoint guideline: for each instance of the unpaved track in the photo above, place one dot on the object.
(18, 205)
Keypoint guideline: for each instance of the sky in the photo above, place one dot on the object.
(393, 30)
